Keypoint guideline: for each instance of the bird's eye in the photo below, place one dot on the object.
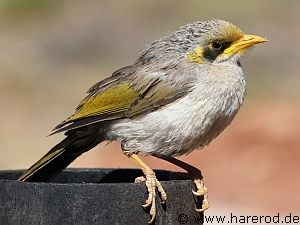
(216, 45)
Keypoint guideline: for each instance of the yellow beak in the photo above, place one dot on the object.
(244, 43)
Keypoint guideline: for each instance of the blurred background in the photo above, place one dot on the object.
(51, 52)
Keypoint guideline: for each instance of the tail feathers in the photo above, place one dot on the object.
(59, 157)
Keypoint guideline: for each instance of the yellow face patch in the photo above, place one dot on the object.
(195, 56)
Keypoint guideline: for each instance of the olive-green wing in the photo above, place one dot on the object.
(126, 93)
(106, 100)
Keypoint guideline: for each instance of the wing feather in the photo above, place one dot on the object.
(142, 87)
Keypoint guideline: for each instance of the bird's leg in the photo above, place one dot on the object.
(195, 174)
(151, 182)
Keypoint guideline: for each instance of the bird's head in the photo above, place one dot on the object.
(218, 41)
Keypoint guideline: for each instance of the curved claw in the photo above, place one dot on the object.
(199, 210)
(152, 183)
(201, 191)
(146, 205)
(152, 219)
(151, 201)
(205, 206)
(196, 193)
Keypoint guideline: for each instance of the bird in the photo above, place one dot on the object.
(180, 94)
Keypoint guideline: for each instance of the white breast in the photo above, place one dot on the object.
(189, 123)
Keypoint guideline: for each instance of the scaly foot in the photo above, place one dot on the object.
(152, 183)
(201, 191)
